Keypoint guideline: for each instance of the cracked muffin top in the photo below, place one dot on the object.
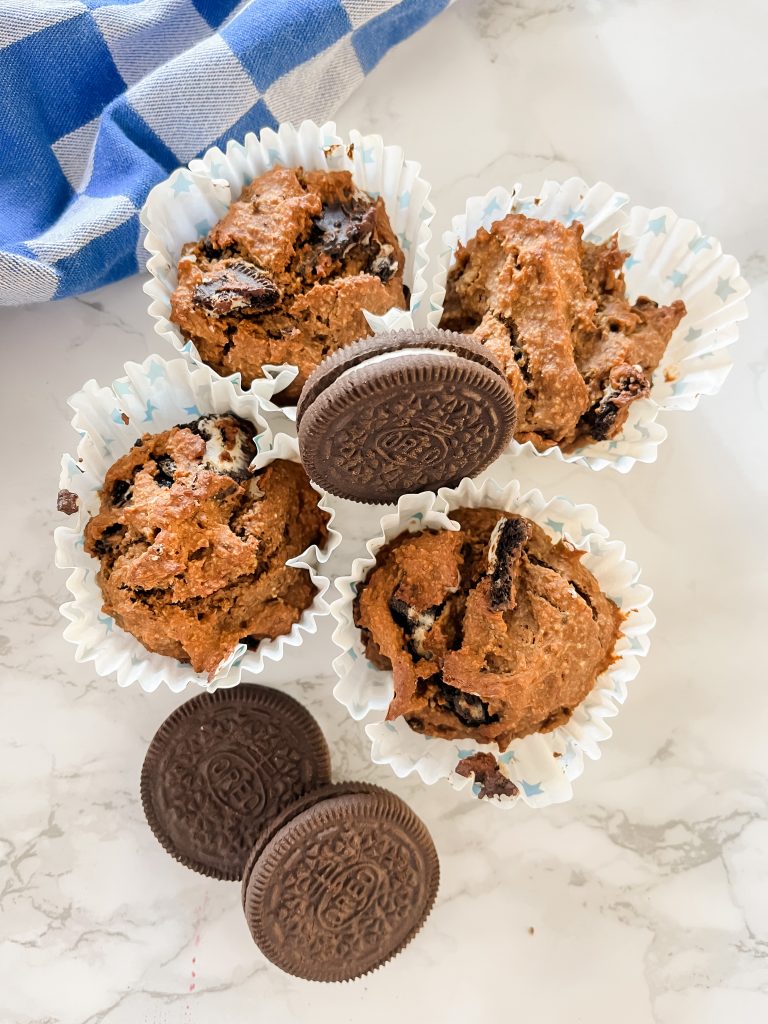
(193, 546)
(553, 310)
(286, 273)
(491, 632)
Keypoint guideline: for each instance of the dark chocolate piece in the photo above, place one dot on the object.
(166, 468)
(470, 709)
(121, 492)
(239, 287)
(414, 624)
(625, 385)
(505, 550)
(345, 226)
(221, 766)
(67, 502)
(488, 775)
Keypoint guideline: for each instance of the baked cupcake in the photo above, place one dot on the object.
(193, 547)
(285, 275)
(554, 311)
(492, 632)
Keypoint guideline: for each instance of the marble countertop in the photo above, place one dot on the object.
(645, 899)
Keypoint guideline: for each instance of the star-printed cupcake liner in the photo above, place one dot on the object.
(154, 396)
(186, 205)
(669, 258)
(543, 766)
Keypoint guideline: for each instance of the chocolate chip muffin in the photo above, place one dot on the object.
(553, 310)
(285, 275)
(193, 547)
(492, 632)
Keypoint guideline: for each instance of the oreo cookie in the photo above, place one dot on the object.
(223, 765)
(340, 882)
(403, 412)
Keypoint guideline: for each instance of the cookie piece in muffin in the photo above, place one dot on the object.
(286, 273)
(553, 310)
(492, 632)
(193, 547)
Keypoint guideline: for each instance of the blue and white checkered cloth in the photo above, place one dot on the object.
(100, 99)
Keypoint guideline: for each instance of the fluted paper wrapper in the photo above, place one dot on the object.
(187, 205)
(669, 258)
(152, 397)
(544, 765)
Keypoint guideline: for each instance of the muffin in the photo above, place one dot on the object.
(553, 310)
(193, 547)
(492, 632)
(285, 275)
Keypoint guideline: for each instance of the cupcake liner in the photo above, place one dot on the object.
(669, 258)
(187, 205)
(152, 397)
(543, 765)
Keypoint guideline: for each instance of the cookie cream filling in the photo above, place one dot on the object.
(218, 455)
(400, 353)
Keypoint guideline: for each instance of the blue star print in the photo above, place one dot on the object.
(724, 288)
(181, 184)
(657, 225)
(531, 788)
(677, 278)
(697, 244)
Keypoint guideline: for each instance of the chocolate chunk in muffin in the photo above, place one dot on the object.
(492, 632)
(553, 310)
(193, 547)
(285, 275)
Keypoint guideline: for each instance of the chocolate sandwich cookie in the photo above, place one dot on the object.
(221, 766)
(402, 412)
(340, 882)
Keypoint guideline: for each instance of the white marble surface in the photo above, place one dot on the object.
(643, 900)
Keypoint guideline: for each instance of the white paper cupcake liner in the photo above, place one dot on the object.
(544, 765)
(152, 397)
(187, 205)
(669, 258)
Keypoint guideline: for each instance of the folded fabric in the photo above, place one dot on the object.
(100, 100)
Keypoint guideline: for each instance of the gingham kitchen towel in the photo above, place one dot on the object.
(100, 99)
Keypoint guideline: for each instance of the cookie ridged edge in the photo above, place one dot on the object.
(349, 356)
(320, 417)
(244, 693)
(391, 809)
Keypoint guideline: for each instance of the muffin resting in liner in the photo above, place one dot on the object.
(553, 310)
(561, 565)
(286, 273)
(492, 632)
(197, 487)
(193, 547)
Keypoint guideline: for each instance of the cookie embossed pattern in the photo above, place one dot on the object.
(338, 887)
(541, 766)
(402, 412)
(669, 259)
